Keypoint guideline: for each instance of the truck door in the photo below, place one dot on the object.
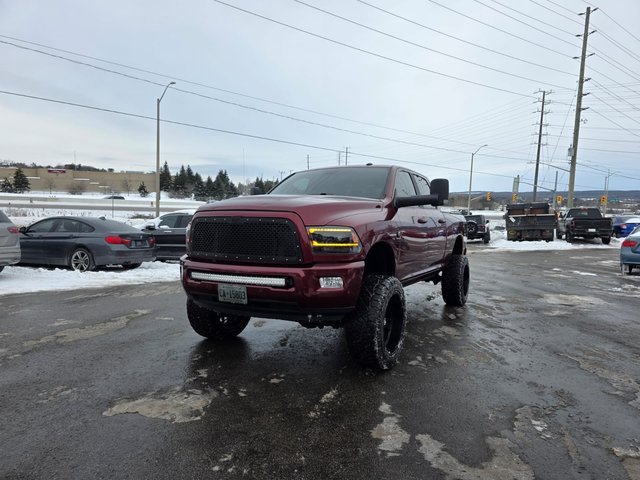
(411, 231)
(433, 225)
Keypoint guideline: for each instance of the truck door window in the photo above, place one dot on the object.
(423, 185)
(404, 185)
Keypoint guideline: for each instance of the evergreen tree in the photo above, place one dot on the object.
(6, 186)
(209, 188)
(142, 190)
(20, 182)
(259, 184)
(165, 178)
(180, 183)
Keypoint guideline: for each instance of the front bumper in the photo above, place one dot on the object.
(300, 299)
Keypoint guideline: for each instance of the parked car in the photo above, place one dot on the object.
(9, 242)
(85, 243)
(478, 228)
(169, 231)
(114, 197)
(624, 225)
(630, 252)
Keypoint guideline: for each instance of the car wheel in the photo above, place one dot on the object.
(130, 266)
(472, 228)
(558, 235)
(455, 281)
(486, 238)
(213, 325)
(81, 260)
(606, 240)
(376, 329)
(569, 237)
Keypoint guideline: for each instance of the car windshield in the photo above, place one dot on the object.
(365, 182)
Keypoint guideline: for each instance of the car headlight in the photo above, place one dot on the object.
(342, 240)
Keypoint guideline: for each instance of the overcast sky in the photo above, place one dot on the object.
(262, 84)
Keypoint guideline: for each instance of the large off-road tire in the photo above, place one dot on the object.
(214, 325)
(568, 237)
(81, 260)
(606, 240)
(455, 281)
(376, 329)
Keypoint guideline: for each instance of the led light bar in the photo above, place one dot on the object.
(241, 279)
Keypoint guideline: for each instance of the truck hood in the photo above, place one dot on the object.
(312, 209)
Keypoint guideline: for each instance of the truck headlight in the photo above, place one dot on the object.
(334, 240)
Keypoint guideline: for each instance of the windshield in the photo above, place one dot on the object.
(365, 182)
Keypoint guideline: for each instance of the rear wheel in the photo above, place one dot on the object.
(606, 240)
(455, 281)
(569, 237)
(472, 228)
(558, 235)
(81, 260)
(376, 329)
(214, 325)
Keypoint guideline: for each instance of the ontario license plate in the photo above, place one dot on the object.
(232, 294)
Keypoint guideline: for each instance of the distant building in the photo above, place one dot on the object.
(65, 180)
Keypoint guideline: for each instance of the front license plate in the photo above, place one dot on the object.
(232, 294)
(592, 230)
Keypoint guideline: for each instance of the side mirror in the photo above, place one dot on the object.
(149, 226)
(440, 187)
(23, 230)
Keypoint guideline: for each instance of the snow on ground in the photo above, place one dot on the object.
(29, 279)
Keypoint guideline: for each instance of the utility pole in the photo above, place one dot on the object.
(535, 180)
(339, 157)
(346, 155)
(576, 125)
(307, 162)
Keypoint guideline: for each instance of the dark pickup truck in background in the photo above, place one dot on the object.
(529, 221)
(326, 247)
(585, 222)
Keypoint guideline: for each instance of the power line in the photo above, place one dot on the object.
(409, 42)
(267, 112)
(496, 28)
(368, 52)
(614, 21)
(183, 80)
(463, 40)
(616, 123)
(527, 24)
(557, 13)
(230, 132)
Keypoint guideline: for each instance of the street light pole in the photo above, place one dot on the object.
(158, 149)
(470, 178)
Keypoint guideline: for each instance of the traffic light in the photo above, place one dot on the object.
(488, 196)
(559, 199)
(514, 197)
(603, 199)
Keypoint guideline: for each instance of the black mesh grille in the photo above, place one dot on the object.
(245, 239)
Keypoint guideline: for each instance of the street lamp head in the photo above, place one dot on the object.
(172, 83)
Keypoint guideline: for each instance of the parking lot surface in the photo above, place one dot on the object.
(538, 376)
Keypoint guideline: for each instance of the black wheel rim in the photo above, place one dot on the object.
(393, 324)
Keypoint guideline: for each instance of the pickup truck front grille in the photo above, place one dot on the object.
(245, 240)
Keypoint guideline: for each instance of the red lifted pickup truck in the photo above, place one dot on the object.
(331, 246)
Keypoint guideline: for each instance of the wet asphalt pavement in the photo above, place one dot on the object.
(537, 377)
